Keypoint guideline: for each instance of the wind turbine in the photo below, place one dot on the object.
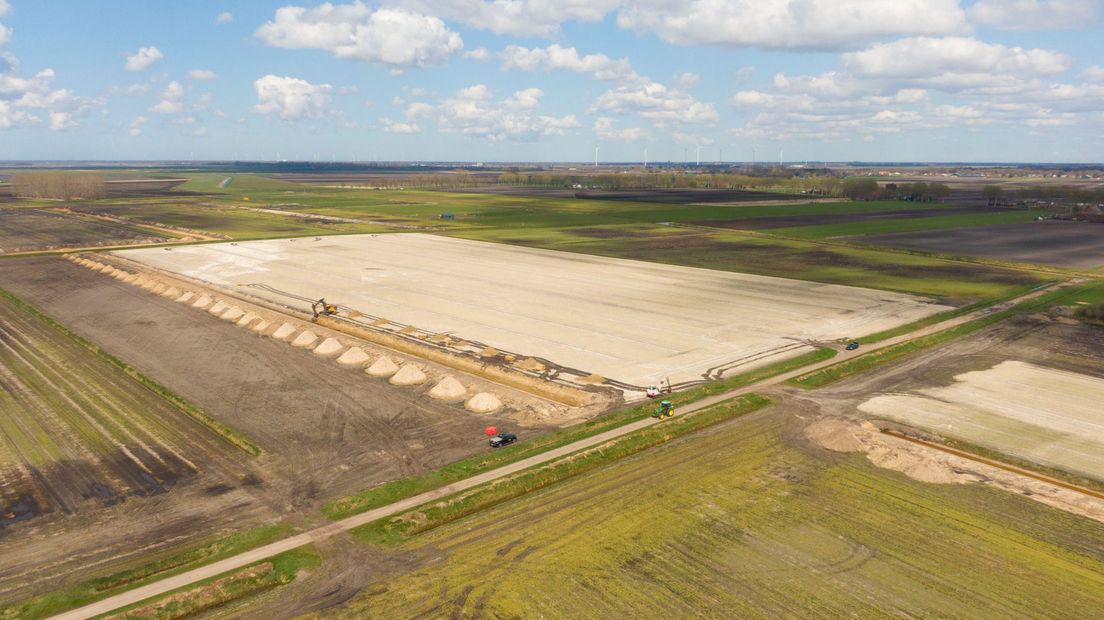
(595, 157)
(699, 155)
(645, 158)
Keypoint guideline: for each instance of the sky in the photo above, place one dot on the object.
(553, 80)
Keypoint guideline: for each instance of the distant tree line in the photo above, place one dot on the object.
(665, 179)
(869, 189)
(58, 185)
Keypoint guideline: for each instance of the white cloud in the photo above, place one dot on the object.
(396, 38)
(954, 63)
(224, 17)
(291, 98)
(1094, 73)
(655, 102)
(517, 17)
(556, 57)
(605, 130)
(202, 74)
(136, 126)
(391, 126)
(472, 111)
(170, 99)
(791, 24)
(5, 7)
(143, 58)
(480, 53)
(22, 100)
(687, 79)
(1036, 14)
(5, 32)
(418, 110)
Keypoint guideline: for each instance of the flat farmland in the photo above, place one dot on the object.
(326, 430)
(28, 230)
(1051, 242)
(745, 521)
(631, 321)
(76, 432)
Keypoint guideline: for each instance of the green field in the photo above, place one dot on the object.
(881, 227)
(744, 522)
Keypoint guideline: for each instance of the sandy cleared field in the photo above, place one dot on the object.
(632, 321)
(1052, 242)
(1047, 415)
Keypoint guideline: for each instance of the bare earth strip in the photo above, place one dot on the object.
(1050, 416)
(633, 321)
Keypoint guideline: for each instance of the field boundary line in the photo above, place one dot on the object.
(227, 433)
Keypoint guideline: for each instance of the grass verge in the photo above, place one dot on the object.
(224, 589)
(949, 314)
(400, 527)
(227, 433)
(856, 365)
(92, 590)
(466, 468)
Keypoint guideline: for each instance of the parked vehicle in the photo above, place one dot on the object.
(503, 439)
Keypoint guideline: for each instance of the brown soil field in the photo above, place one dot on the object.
(818, 219)
(1062, 244)
(77, 431)
(327, 430)
(29, 230)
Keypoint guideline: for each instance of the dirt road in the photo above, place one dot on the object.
(321, 533)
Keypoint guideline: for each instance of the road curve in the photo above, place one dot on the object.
(246, 558)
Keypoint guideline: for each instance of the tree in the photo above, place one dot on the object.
(992, 194)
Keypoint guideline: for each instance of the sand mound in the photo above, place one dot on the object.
(384, 367)
(202, 302)
(140, 280)
(171, 292)
(233, 314)
(408, 375)
(530, 365)
(488, 352)
(120, 274)
(448, 389)
(106, 269)
(260, 326)
(305, 340)
(284, 331)
(219, 307)
(149, 285)
(594, 379)
(353, 357)
(834, 434)
(158, 288)
(926, 468)
(131, 278)
(248, 318)
(483, 402)
(186, 297)
(329, 346)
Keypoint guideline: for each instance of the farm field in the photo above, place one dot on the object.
(634, 322)
(1052, 242)
(1041, 414)
(747, 520)
(1029, 387)
(78, 432)
(326, 430)
(28, 230)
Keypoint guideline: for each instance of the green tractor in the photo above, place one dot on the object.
(664, 410)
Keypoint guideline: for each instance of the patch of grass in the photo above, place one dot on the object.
(225, 589)
(227, 433)
(177, 561)
(881, 227)
(407, 487)
(824, 376)
(748, 519)
(423, 518)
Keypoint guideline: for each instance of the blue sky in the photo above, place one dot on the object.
(549, 80)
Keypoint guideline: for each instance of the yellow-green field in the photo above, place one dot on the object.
(746, 521)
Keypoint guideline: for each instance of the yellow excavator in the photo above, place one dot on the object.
(321, 308)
